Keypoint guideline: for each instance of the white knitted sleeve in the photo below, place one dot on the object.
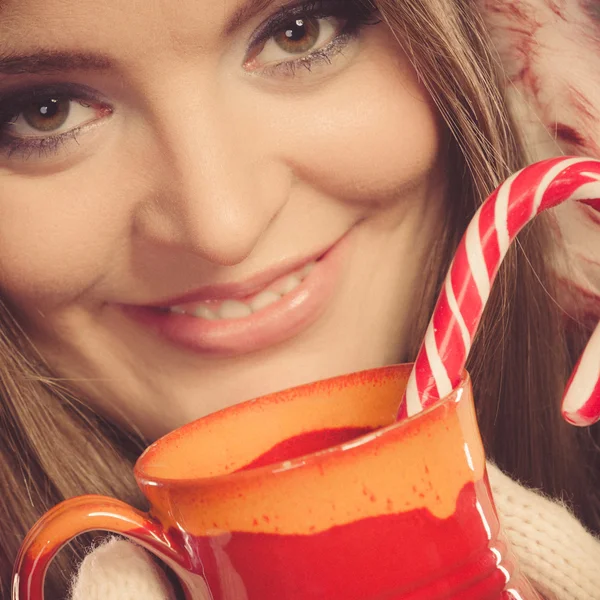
(552, 548)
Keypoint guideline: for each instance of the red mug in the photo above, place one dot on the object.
(310, 493)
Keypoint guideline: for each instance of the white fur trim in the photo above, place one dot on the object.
(120, 570)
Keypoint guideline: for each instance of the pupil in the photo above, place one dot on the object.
(297, 31)
(49, 109)
(299, 36)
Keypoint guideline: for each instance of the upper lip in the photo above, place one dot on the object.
(242, 289)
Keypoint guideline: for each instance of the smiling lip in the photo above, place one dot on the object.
(244, 289)
(282, 320)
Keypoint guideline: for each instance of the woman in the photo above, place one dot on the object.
(200, 206)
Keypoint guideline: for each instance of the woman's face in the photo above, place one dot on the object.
(204, 202)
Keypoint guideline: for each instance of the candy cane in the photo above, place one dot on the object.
(581, 402)
(457, 314)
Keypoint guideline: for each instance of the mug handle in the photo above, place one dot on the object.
(79, 515)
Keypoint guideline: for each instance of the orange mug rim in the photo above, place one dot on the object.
(297, 462)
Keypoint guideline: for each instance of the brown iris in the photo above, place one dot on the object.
(47, 115)
(299, 36)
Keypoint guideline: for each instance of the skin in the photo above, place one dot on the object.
(204, 173)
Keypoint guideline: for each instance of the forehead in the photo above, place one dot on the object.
(137, 24)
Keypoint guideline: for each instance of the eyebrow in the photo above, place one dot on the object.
(47, 61)
(246, 12)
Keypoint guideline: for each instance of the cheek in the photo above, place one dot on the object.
(58, 231)
(368, 135)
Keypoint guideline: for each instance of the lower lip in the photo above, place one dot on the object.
(276, 323)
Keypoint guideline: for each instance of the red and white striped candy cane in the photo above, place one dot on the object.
(457, 314)
(581, 402)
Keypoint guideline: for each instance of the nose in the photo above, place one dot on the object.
(215, 187)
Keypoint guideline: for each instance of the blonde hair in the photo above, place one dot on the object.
(54, 446)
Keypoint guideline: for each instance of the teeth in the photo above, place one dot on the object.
(205, 313)
(307, 269)
(290, 284)
(263, 300)
(232, 309)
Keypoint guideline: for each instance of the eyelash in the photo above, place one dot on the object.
(43, 146)
(355, 13)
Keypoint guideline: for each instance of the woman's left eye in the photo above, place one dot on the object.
(300, 37)
(308, 35)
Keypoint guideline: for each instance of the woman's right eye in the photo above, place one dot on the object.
(41, 122)
(49, 116)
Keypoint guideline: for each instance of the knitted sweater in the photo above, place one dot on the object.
(552, 548)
